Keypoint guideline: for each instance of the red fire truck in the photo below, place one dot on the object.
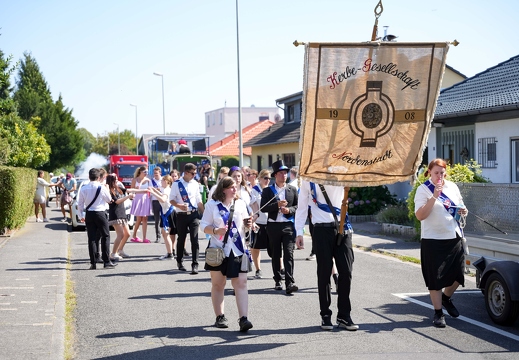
(125, 165)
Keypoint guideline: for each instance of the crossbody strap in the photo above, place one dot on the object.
(95, 198)
(327, 198)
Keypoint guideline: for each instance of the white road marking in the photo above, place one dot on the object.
(48, 285)
(29, 302)
(409, 297)
(17, 288)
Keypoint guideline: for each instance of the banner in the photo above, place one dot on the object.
(368, 109)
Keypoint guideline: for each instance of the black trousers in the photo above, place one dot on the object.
(187, 223)
(97, 227)
(324, 244)
(155, 206)
(282, 239)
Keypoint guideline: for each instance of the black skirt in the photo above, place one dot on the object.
(230, 267)
(443, 262)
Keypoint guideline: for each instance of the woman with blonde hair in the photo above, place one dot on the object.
(141, 205)
(222, 209)
(166, 210)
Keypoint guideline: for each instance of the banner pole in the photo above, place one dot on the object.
(377, 15)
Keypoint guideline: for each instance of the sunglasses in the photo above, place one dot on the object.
(192, 172)
(266, 178)
(145, 171)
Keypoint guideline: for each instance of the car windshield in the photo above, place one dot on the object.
(127, 171)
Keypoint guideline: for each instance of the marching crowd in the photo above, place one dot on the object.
(248, 211)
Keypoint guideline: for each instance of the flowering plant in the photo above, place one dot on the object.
(368, 200)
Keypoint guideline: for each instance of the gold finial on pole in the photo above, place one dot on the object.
(378, 11)
(455, 42)
(297, 43)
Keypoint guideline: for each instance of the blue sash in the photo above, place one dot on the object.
(154, 183)
(234, 234)
(258, 189)
(326, 208)
(447, 203)
(165, 217)
(184, 195)
(273, 188)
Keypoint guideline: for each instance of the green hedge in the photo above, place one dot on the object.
(17, 187)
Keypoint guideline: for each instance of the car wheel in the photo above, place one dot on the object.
(501, 309)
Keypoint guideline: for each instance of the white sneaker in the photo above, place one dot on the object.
(123, 254)
(64, 219)
(38, 220)
(116, 257)
(45, 220)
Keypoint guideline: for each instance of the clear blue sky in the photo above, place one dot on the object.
(101, 55)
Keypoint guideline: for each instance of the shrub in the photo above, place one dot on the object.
(17, 186)
(395, 214)
(369, 200)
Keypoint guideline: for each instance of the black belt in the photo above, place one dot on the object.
(326, 225)
(186, 212)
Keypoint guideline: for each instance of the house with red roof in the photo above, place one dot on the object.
(230, 144)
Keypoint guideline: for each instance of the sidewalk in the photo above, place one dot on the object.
(32, 290)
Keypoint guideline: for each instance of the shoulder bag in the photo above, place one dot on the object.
(214, 256)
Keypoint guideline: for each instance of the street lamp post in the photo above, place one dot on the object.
(136, 136)
(240, 148)
(118, 140)
(163, 109)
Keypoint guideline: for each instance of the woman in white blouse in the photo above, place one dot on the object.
(214, 222)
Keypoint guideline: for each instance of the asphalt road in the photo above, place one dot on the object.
(146, 309)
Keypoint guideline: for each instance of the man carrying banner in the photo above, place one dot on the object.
(185, 196)
(327, 249)
(279, 201)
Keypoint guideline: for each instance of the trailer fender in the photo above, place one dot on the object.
(509, 270)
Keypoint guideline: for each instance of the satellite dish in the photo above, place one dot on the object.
(277, 117)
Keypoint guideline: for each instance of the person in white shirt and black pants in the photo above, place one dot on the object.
(185, 197)
(92, 201)
(327, 249)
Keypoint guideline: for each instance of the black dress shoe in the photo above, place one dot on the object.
(194, 270)
(292, 288)
(99, 260)
(186, 253)
(181, 267)
(92, 267)
(110, 265)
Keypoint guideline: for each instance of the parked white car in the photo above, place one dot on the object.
(76, 216)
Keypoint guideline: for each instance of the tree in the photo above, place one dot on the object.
(88, 140)
(57, 125)
(60, 130)
(32, 89)
(23, 145)
(6, 102)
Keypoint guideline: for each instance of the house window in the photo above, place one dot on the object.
(260, 163)
(289, 160)
(208, 124)
(515, 161)
(221, 118)
(487, 152)
(290, 113)
(270, 160)
(213, 118)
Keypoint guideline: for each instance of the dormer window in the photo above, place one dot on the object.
(290, 113)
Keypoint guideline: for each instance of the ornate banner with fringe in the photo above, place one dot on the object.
(368, 109)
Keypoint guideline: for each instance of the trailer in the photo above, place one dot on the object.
(498, 280)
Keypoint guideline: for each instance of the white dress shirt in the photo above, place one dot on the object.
(213, 218)
(87, 194)
(336, 195)
(193, 191)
